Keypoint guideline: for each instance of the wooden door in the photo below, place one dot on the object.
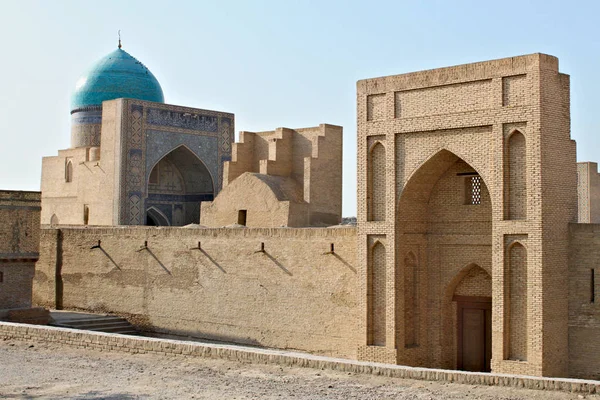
(474, 333)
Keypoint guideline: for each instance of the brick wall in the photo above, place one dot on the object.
(19, 246)
(506, 121)
(584, 301)
(292, 295)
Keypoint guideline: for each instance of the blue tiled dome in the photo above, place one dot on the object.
(115, 76)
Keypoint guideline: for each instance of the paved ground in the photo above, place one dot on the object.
(49, 371)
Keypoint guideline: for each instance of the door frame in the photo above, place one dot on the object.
(462, 302)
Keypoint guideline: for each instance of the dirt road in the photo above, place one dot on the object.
(48, 371)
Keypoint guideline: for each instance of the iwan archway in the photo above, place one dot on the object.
(441, 278)
(443, 224)
(176, 186)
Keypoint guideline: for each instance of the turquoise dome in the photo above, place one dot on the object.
(117, 75)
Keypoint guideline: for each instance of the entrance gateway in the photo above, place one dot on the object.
(474, 333)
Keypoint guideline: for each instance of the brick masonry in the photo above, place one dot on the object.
(19, 244)
(504, 121)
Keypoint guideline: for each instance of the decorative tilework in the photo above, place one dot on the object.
(207, 134)
(184, 120)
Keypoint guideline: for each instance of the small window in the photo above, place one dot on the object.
(473, 190)
(1, 276)
(69, 171)
(242, 217)
(154, 176)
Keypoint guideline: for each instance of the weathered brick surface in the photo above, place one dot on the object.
(506, 121)
(293, 295)
(286, 177)
(584, 301)
(19, 243)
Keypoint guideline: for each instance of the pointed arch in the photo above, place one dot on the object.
(472, 280)
(69, 171)
(376, 187)
(54, 220)
(515, 176)
(376, 296)
(155, 217)
(177, 183)
(515, 302)
(444, 158)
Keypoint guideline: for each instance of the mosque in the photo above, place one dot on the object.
(477, 239)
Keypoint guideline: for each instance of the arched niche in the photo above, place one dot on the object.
(177, 184)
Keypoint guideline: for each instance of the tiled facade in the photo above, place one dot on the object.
(110, 181)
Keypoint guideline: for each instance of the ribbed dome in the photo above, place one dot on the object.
(117, 75)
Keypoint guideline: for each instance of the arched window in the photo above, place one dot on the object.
(69, 171)
(54, 220)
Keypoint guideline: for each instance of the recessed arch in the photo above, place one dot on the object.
(376, 295)
(432, 212)
(439, 156)
(376, 182)
(177, 184)
(155, 217)
(54, 220)
(515, 176)
(69, 171)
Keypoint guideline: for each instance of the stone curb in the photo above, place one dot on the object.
(141, 345)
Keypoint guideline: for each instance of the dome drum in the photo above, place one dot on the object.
(86, 127)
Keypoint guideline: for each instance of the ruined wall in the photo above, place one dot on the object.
(19, 242)
(309, 160)
(584, 301)
(292, 295)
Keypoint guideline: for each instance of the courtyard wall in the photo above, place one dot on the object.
(294, 295)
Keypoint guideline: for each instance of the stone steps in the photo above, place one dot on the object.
(100, 323)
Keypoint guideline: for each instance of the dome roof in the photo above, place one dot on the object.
(116, 75)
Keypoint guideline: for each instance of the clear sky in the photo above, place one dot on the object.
(273, 63)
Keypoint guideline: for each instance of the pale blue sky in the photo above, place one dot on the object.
(272, 63)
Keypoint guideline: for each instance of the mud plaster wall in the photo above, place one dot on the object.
(291, 296)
